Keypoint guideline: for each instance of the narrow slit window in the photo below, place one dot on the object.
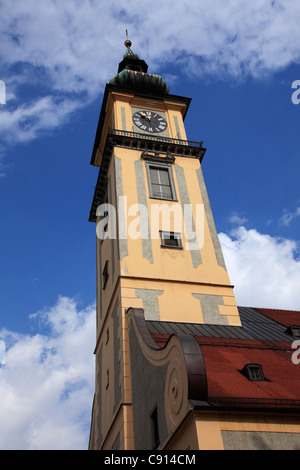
(105, 216)
(105, 275)
(154, 429)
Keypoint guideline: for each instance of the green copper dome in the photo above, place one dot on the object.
(133, 73)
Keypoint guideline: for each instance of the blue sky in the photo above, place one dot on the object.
(237, 61)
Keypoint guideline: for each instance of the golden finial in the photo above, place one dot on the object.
(127, 43)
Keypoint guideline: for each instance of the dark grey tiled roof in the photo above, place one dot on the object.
(255, 326)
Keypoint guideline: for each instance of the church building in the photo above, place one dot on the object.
(178, 364)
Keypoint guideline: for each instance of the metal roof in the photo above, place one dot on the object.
(255, 326)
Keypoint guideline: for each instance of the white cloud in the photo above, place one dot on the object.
(47, 384)
(265, 270)
(27, 121)
(63, 48)
(237, 219)
(289, 216)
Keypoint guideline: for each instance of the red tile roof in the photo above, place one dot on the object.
(284, 317)
(224, 364)
(225, 358)
(160, 339)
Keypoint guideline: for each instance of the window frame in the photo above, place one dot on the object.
(250, 368)
(105, 275)
(294, 331)
(177, 237)
(161, 166)
(106, 214)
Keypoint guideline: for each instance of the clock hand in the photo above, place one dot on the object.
(144, 115)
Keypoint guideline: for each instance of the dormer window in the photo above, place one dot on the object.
(253, 372)
(294, 330)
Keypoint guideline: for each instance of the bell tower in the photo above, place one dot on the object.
(157, 246)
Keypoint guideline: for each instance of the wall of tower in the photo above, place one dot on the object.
(134, 269)
(189, 284)
(112, 416)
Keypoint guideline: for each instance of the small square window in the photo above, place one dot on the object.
(105, 275)
(294, 330)
(161, 183)
(253, 372)
(170, 240)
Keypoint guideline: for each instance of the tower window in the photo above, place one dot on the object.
(161, 184)
(170, 240)
(105, 216)
(105, 275)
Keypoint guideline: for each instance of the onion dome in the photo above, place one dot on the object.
(133, 73)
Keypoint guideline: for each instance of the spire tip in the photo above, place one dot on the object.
(127, 43)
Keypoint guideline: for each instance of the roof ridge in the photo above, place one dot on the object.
(275, 309)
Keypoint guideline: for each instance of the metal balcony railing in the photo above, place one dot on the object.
(155, 138)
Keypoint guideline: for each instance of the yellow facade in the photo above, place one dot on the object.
(236, 431)
(166, 270)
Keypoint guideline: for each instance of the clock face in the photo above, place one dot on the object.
(149, 121)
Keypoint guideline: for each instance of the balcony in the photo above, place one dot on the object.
(156, 143)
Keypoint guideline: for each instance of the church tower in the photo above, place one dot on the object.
(158, 252)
